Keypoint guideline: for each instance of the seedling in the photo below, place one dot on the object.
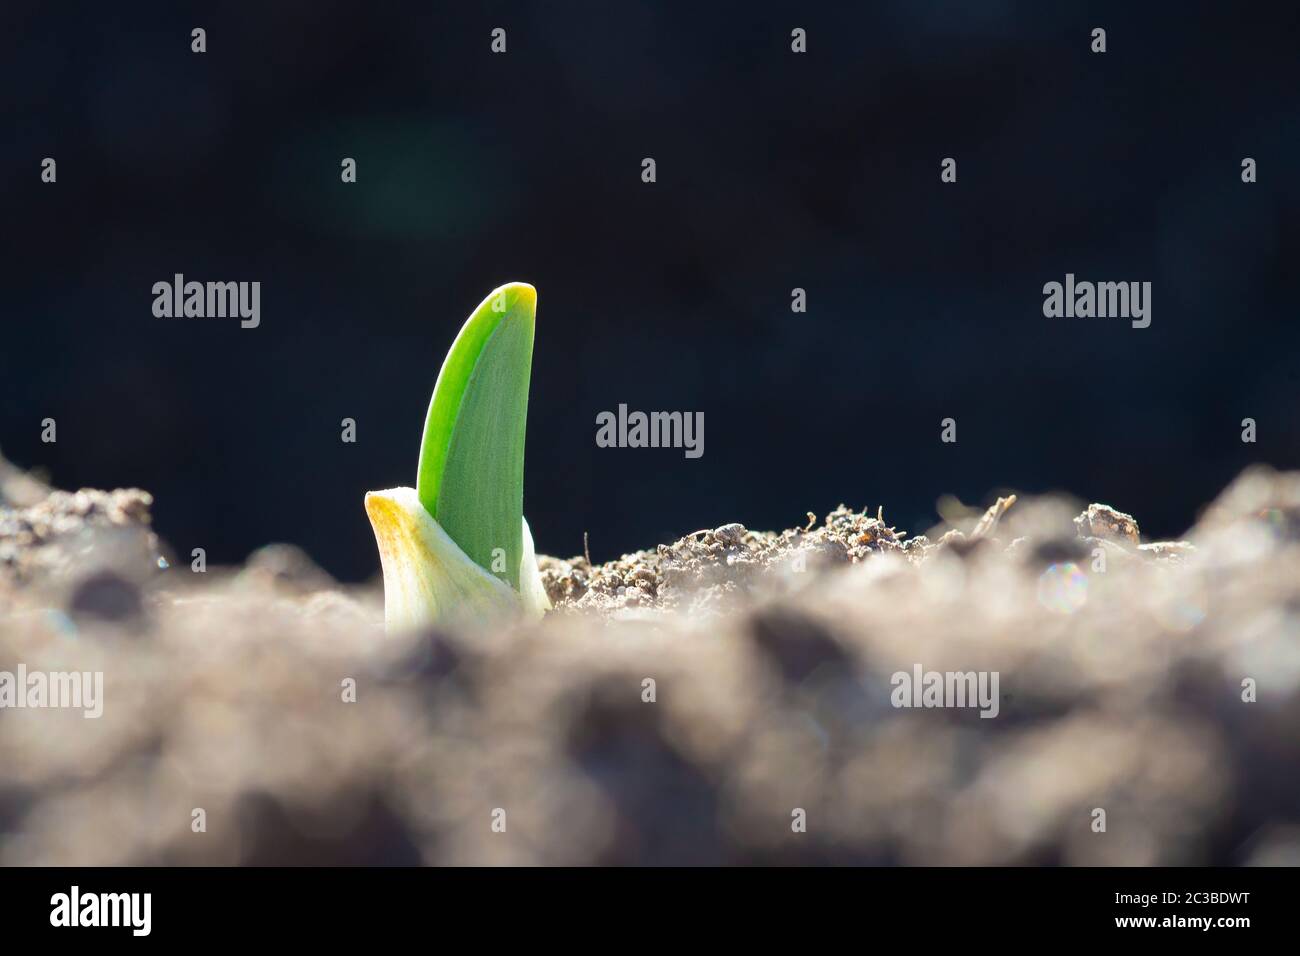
(457, 543)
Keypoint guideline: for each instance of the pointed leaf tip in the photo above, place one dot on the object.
(470, 475)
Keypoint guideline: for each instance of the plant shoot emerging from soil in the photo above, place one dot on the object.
(457, 543)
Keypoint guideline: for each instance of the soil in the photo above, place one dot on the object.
(680, 705)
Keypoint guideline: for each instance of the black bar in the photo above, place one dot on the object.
(439, 906)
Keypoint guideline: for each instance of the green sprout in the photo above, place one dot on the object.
(458, 544)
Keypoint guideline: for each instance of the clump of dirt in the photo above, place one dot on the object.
(715, 567)
(1102, 521)
(66, 533)
(732, 697)
(720, 568)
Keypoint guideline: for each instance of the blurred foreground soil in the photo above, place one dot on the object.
(1122, 670)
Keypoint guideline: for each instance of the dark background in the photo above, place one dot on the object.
(775, 170)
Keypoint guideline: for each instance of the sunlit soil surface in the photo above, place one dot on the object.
(731, 697)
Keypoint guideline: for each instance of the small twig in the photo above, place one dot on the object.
(992, 516)
(585, 552)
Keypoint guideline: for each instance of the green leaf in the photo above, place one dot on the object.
(471, 472)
